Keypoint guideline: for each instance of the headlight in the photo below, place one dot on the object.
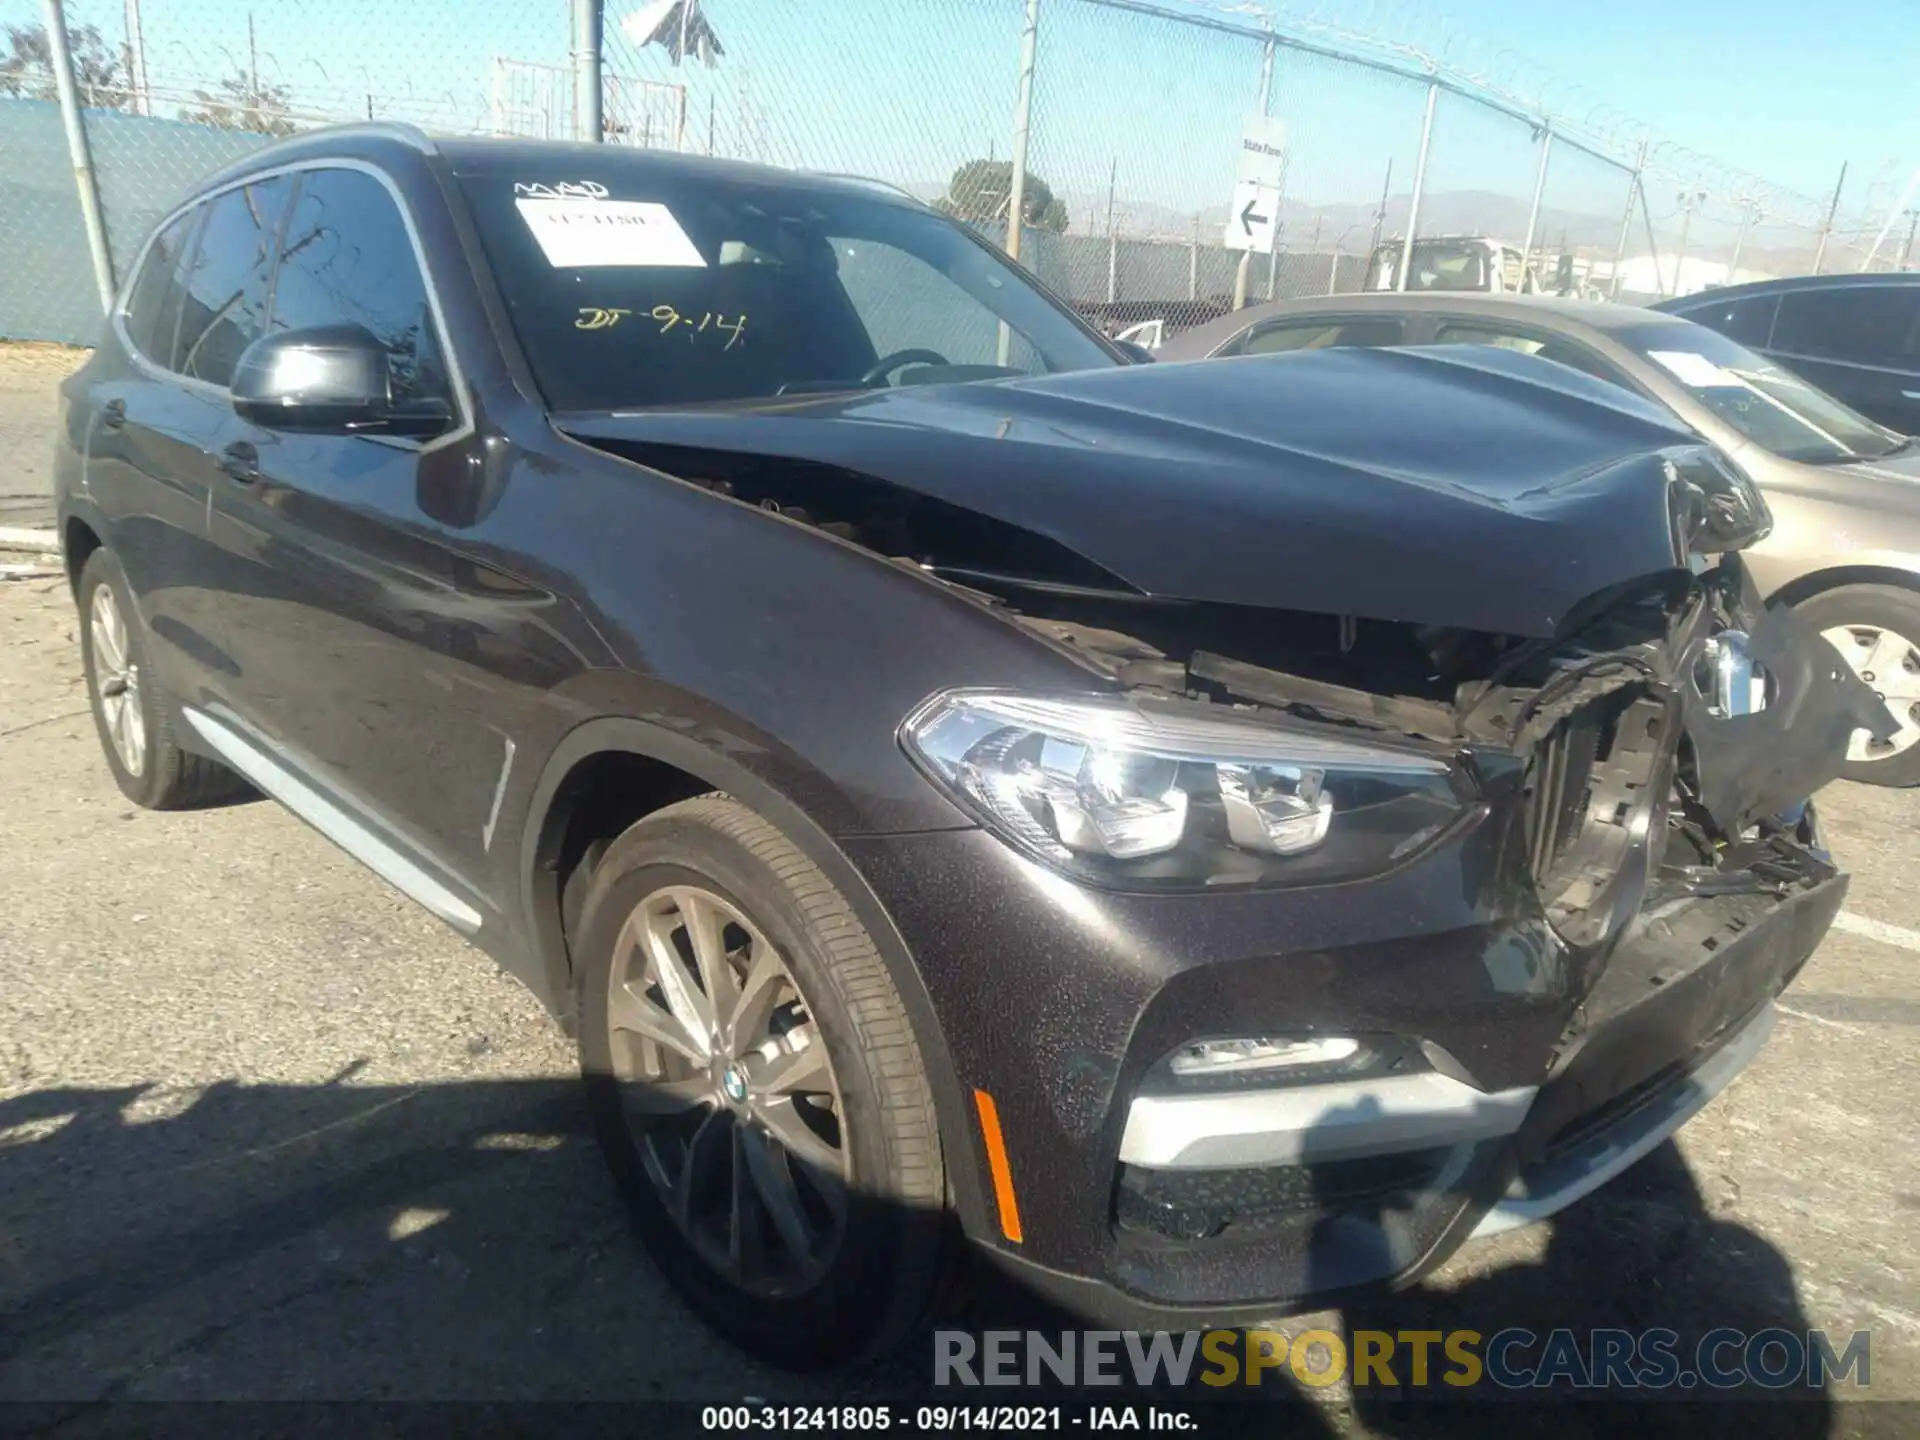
(1142, 793)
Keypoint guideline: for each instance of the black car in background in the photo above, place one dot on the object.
(1855, 336)
(1212, 835)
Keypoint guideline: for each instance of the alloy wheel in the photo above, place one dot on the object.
(1889, 663)
(117, 681)
(728, 1091)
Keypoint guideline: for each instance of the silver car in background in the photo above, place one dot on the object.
(1844, 491)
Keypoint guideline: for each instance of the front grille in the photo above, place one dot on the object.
(1594, 790)
(1559, 788)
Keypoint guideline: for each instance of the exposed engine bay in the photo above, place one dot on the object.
(1667, 735)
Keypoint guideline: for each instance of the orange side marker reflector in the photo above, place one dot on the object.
(997, 1163)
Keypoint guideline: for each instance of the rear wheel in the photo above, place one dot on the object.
(757, 1089)
(1876, 629)
(133, 715)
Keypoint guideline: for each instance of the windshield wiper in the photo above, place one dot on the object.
(1900, 446)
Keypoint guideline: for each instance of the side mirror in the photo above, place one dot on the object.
(1135, 352)
(330, 379)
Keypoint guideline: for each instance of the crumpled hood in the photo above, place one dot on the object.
(1466, 487)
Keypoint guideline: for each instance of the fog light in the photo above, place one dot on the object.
(1240, 1057)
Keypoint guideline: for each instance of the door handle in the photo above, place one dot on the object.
(113, 414)
(240, 462)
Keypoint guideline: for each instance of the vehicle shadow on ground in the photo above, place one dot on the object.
(352, 1241)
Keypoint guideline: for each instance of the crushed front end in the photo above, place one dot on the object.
(1239, 1102)
(1661, 763)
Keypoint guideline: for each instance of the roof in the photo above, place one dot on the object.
(1546, 310)
(534, 160)
(556, 160)
(1761, 288)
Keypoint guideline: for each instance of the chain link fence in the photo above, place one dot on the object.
(1118, 122)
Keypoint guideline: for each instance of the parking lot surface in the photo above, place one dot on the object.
(267, 1130)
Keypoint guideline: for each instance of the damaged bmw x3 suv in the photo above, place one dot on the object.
(1214, 836)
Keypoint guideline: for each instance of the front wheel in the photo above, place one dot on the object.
(757, 1088)
(1876, 629)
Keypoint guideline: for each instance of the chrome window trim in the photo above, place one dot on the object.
(1843, 364)
(456, 374)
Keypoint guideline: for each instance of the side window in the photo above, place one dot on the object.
(1547, 349)
(1322, 335)
(152, 311)
(348, 260)
(224, 304)
(1868, 325)
(1749, 321)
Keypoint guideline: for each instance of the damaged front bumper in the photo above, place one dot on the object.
(1534, 1002)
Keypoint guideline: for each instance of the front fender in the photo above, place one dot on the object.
(715, 758)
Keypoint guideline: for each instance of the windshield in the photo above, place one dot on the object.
(1437, 265)
(1772, 407)
(629, 290)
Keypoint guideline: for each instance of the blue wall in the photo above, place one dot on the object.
(143, 166)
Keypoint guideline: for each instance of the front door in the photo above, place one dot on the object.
(371, 646)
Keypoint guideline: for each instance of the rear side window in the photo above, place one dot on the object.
(1749, 321)
(152, 312)
(1867, 325)
(1322, 335)
(348, 260)
(1555, 350)
(224, 305)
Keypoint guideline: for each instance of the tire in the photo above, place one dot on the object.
(1866, 613)
(876, 1280)
(154, 773)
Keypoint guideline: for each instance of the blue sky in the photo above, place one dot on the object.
(908, 89)
(1788, 90)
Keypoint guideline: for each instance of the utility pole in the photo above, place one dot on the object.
(588, 123)
(1826, 230)
(1380, 215)
(1113, 179)
(1749, 213)
(253, 69)
(1419, 187)
(1022, 123)
(142, 101)
(1906, 254)
(1690, 200)
(1244, 270)
(1906, 199)
(1539, 189)
(60, 52)
(1626, 223)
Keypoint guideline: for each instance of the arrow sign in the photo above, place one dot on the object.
(1253, 219)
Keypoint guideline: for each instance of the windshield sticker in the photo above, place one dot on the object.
(561, 190)
(1695, 370)
(579, 232)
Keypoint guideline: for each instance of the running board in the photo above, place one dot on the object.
(351, 834)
